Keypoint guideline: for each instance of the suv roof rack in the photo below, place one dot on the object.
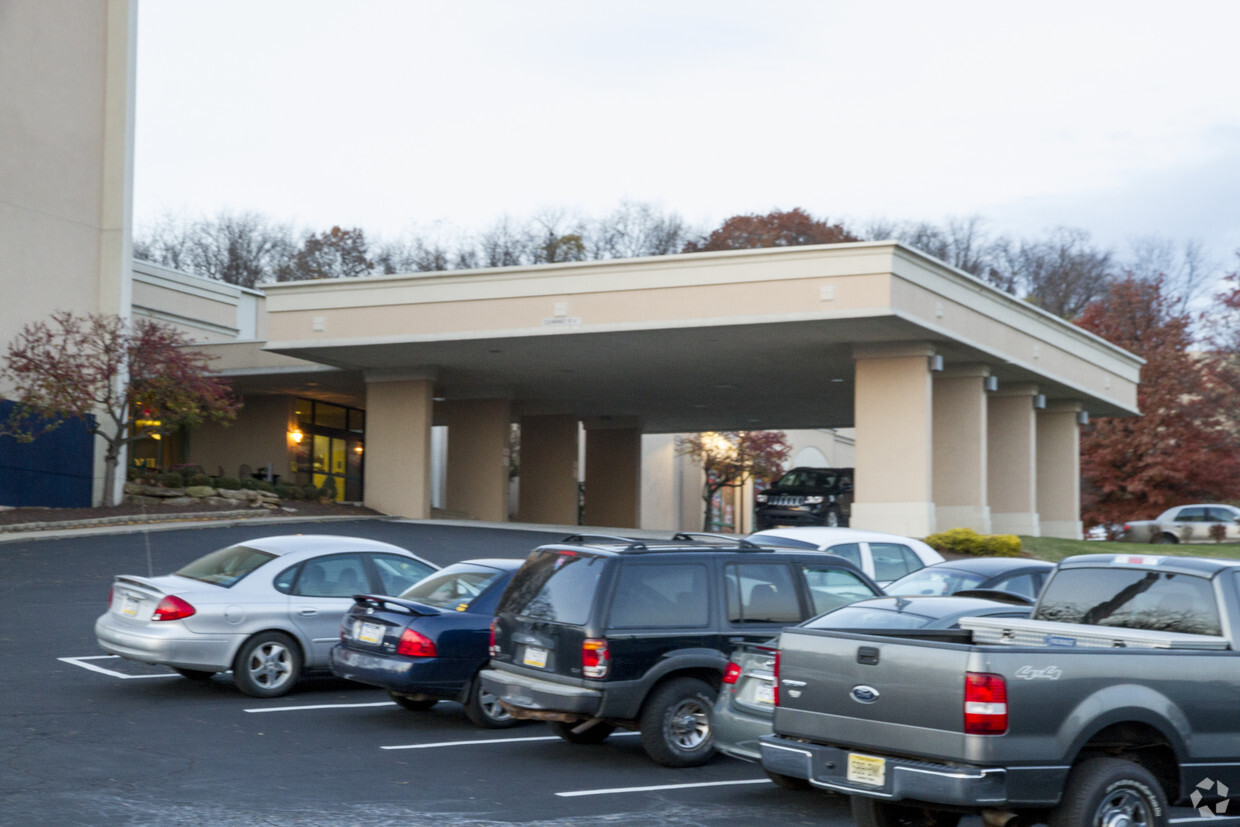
(719, 539)
(583, 539)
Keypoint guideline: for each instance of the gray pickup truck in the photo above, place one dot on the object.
(1119, 695)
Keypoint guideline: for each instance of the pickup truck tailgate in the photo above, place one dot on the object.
(880, 693)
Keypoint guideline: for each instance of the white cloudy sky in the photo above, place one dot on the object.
(1119, 117)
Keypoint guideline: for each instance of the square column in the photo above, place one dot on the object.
(477, 476)
(548, 470)
(960, 450)
(398, 442)
(1059, 470)
(613, 475)
(1012, 463)
(893, 422)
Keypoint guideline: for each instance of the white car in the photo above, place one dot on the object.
(884, 557)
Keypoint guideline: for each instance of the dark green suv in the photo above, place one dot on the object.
(599, 633)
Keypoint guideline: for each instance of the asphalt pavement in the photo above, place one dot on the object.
(87, 739)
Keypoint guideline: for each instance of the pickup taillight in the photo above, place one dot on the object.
(985, 704)
(775, 683)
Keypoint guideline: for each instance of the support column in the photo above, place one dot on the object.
(893, 421)
(477, 475)
(398, 445)
(1012, 464)
(959, 449)
(1059, 470)
(613, 474)
(548, 470)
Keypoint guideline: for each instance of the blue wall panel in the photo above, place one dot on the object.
(54, 470)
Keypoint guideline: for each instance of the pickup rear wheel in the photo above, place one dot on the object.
(676, 723)
(870, 812)
(1103, 792)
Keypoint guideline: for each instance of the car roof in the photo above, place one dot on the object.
(501, 563)
(604, 545)
(316, 543)
(1205, 566)
(827, 535)
(931, 606)
(990, 565)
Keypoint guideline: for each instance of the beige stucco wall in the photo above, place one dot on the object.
(613, 477)
(477, 457)
(398, 434)
(258, 437)
(549, 470)
(204, 309)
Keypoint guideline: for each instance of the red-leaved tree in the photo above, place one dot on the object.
(732, 458)
(775, 229)
(1184, 446)
(102, 370)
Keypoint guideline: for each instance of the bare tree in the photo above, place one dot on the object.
(636, 229)
(237, 248)
(1186, 271)
(1064, 272)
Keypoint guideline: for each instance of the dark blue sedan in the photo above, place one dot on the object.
(428, 644)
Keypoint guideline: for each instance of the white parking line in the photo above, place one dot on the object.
(109, 672)
(318, 706)
(491, 741)
(614, 790)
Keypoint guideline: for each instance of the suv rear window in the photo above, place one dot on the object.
(556, 585)
(1135, 599)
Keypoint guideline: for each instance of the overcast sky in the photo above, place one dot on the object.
(1119, 117)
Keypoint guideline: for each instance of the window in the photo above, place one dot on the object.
(892, 561)
(452, 588)
(935, 580)
(226, 566)
(557, 585)
(1132, 599)
(762, 593)
(661, 595)
(336, 575)
(1022, 584)
(1191, 515)
(831, 587)
(849, 551)
(398, 573)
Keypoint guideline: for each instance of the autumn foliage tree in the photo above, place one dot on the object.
(731, 458)
(1184, 447)
(110, 374)
(775, 229)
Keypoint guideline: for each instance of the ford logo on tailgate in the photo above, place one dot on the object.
(864, 694)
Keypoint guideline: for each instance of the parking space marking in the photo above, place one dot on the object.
(318, 706)
(491, 741)
(615, 790)
(110, 672)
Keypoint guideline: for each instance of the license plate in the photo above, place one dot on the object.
(535, 656)
(866, 769)
(764, 693)
(130, 606)
(370, 633)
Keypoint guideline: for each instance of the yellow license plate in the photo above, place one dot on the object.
(866, 769)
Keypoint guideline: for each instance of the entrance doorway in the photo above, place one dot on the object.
(333, 450)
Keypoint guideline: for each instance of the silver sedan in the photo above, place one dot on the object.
(269, 609)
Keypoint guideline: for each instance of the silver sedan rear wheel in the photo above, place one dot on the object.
(267, 665)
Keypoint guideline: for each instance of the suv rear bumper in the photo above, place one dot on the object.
(527, 697)
(906, 779)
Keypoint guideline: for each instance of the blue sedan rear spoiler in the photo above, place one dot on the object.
(378, 601)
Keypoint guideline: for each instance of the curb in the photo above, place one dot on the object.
(114, 525)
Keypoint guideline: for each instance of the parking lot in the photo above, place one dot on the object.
(90, 739)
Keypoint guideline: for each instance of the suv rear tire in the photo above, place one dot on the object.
(596, 734)
(676, 723)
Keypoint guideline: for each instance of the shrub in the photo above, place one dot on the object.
(288, 491)
(249, 485)
(172, 480)
(309, 492)
(228, 483)
(200, 479)
(1218, 532)
(187, 469)
(968, 541)
(266, 486)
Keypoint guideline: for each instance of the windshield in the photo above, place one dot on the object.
(554, 585)
(454, 587)
(800, 478)
(225, 567)
(934, 580)
(867, 617)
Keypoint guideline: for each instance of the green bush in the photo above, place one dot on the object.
(228, 483)
(288, 491)
(309, 492)
(266, 486)
(199, 479)
(172, 480)
(968, 541)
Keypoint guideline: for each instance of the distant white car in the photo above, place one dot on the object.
(1186, 524)
(884, 557)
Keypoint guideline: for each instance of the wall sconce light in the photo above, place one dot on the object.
(296, 435)
(936, 362)
(357, 449)
(1082, 417)
(990, 383)
(1039, 401)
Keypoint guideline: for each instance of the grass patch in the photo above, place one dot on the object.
(1055, 549)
